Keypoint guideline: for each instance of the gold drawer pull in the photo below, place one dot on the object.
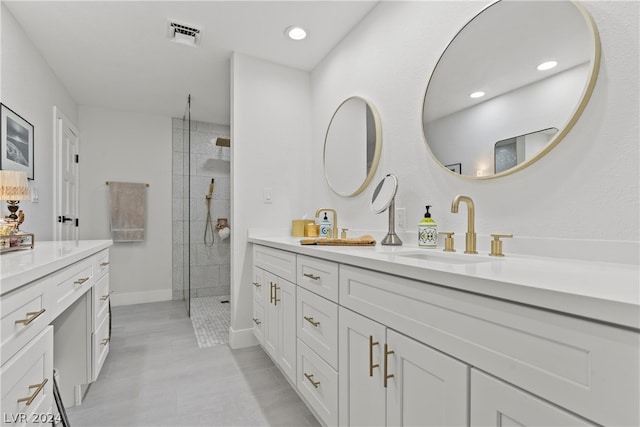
(386, 364)
(106, 297)
(311, 276)
(256, 284)
(276, 300)
(256, 321)
(31, 316)
(104, 264)
(310, 320)
(81, 280)
(29, 400)
(316, 384)
(105, 341)
(371, 365)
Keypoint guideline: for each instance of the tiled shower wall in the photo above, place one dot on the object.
(210, 270)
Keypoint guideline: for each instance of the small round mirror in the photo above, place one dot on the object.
(384, 193)
(352, 147)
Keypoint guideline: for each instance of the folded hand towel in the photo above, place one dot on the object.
(128, 211)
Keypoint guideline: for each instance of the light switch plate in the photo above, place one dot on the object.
(267, 195)
(401, 219)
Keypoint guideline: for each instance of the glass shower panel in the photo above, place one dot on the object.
(186, 206)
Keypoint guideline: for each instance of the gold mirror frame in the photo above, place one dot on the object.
(377, 150)
(577, 112)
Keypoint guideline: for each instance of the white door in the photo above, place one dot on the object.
(360, 353)
(286, 296)
(495, 403)
(66, 151)
(271, 332)
(428, 388)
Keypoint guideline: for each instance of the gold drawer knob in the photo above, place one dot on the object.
(106, 297)
(104, 264)
(256, 321)
(316, 384)
(311, 276)
(31, 316)
(29, 400)
(105, 341)
(310, 320)
(81, 280)
(256, 284)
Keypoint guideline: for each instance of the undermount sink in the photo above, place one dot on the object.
(446, 258)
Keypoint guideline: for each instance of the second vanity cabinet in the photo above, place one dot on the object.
(381, 349)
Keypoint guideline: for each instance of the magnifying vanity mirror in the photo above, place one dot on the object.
(352, 147)
(517, 68)
(383, 198)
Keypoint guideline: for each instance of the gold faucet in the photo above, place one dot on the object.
(470, 244)
(334, 228)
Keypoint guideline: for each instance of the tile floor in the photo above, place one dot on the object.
(156, 375)
(211, 319)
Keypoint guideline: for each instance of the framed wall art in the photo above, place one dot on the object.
(16, 142)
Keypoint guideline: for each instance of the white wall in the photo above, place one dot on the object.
(122, 146)
(586, 188)
(30, 88)
(270, 147)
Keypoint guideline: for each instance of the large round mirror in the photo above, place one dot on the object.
(518, 68)
(352, 147)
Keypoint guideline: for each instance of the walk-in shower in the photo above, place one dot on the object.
(201, 203)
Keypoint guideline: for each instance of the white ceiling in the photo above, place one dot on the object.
(117, 54)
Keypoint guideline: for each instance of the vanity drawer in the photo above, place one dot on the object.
(318, 383)
(101, 263)
(71, 283)
(101, 340)
(318, 276)
(25, 312)
(280, 263)
(26, 381)
(586, 367)
(318, 325)
(101, 297)
(258, 321)
(258, 285)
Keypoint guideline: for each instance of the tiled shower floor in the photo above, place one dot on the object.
(211, 320)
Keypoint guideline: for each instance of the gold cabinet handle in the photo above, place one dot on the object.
(256, 284)
(105, 341)
(105, 297)
(316, 384)
(104, 264)
(81, 280)
(31, 316)
(270, 292)
(276, 300)
(386, 364)
(371, 365)
(310, 320)
(31, 398)
(256, 321)
(311, 276)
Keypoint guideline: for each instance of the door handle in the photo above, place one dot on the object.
(64, 219)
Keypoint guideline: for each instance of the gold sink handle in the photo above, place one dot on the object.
(448, 241)
(496, 244)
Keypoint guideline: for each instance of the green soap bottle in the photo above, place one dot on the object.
(427, 231)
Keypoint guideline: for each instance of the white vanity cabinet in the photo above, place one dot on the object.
(279, 303)
(389, 379)
(54, 301)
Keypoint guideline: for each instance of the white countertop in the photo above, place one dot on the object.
(21, 267)
(606, 292)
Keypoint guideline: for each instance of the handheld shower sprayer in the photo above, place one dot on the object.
(208, 228)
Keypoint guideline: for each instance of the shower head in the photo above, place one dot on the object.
(223, 141)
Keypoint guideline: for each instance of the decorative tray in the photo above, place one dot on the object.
(16, 242)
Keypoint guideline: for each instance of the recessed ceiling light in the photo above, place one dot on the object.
(547, 65)
(296, 33)
(478, 94)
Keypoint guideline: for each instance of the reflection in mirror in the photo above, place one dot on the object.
(510, 152)
(352, 147)
(517, 67)
(384, 198)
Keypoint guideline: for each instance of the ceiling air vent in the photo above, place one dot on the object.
(184, 34)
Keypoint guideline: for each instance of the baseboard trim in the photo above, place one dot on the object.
(130, 298)
(242, 338)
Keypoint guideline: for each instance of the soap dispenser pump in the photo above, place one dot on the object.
(427, 231)
(325, 226)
